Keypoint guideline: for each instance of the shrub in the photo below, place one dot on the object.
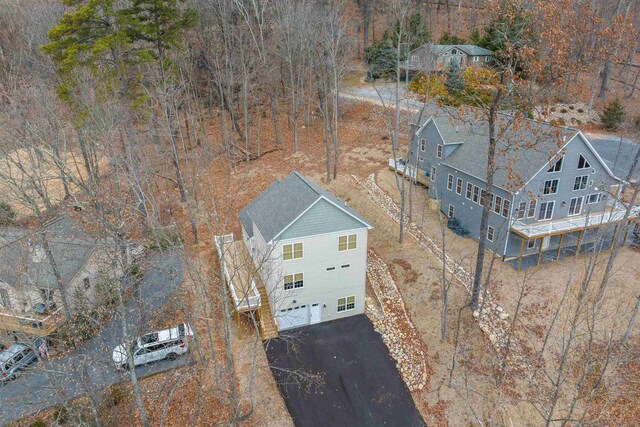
(636, 122)
(454, 225)
(572, 107)
(7, 214)
(564, 110)
(164, 239)
(580, 110)
(613, 114)
(38, 423)
(61, 414)
(116, 396)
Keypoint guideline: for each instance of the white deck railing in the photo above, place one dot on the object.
(401, 167)
(575, 223)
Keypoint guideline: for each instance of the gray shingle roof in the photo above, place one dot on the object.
(469, 49)
(524, 146)
(70, 245)
(282, 202)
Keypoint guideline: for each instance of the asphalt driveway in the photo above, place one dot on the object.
(361, 384)
(89, 368)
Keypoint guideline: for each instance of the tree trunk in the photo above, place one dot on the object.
(486, 204)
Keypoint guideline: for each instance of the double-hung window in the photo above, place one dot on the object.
(469, 191)
(522, 210)
(459, 186)
(490, 233)
(450, 182)
(452, 211)
(423, 144)
(433, 174)
(550, 186)
(580, 183)
(506, 207)
(575, 205)
(483, 197)
(476, 194)
(532, 209)
(292, 251)
(439, 151)
(497, 204)
(293, 281)
(348, 242)
(546, 210)
(346, 303)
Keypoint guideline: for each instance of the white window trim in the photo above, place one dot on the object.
(450, 182)
(346, 303)
(475, 59)
(331, 269)
(347, 236)
(581, 205)
(496, 205)
(522, 214)
(598, 198)
(473, 195)
(531, 243)
(545, 186)
(433, 174)
(293, 252)
(586, 161)
(561, 160)
(493, 233)
(345, 266)
(532, 213)
(452, 211)
(553, 208)
(461, 182)
(293, 276)
(439, 149)
(469, 191)
(586, 184)
(504, 203)
(423, 144)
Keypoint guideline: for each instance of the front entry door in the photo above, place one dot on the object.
(315, 313)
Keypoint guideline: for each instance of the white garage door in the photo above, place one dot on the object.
(292, 317)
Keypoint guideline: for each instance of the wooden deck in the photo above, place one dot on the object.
(245, 284)
(38, 326)
(412, 173)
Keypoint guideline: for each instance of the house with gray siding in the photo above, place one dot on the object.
(310, 249)
(552, 196)
(433, 57)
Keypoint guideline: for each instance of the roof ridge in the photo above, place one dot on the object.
(307, 183)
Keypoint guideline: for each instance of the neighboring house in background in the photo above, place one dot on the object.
(551, 195)
(435, 57)
(29, 292)
(310, 250)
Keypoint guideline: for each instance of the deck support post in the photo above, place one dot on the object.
(579, 242)
(520, 256)
(559, 246)
(540, 252)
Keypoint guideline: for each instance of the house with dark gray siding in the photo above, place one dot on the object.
(552, 196)
(433, 57)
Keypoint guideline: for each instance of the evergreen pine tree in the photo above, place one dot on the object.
(613, 114)
(454, 81)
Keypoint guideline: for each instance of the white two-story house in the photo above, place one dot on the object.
(310, 250)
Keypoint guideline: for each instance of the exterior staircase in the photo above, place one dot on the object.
(268, 328)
